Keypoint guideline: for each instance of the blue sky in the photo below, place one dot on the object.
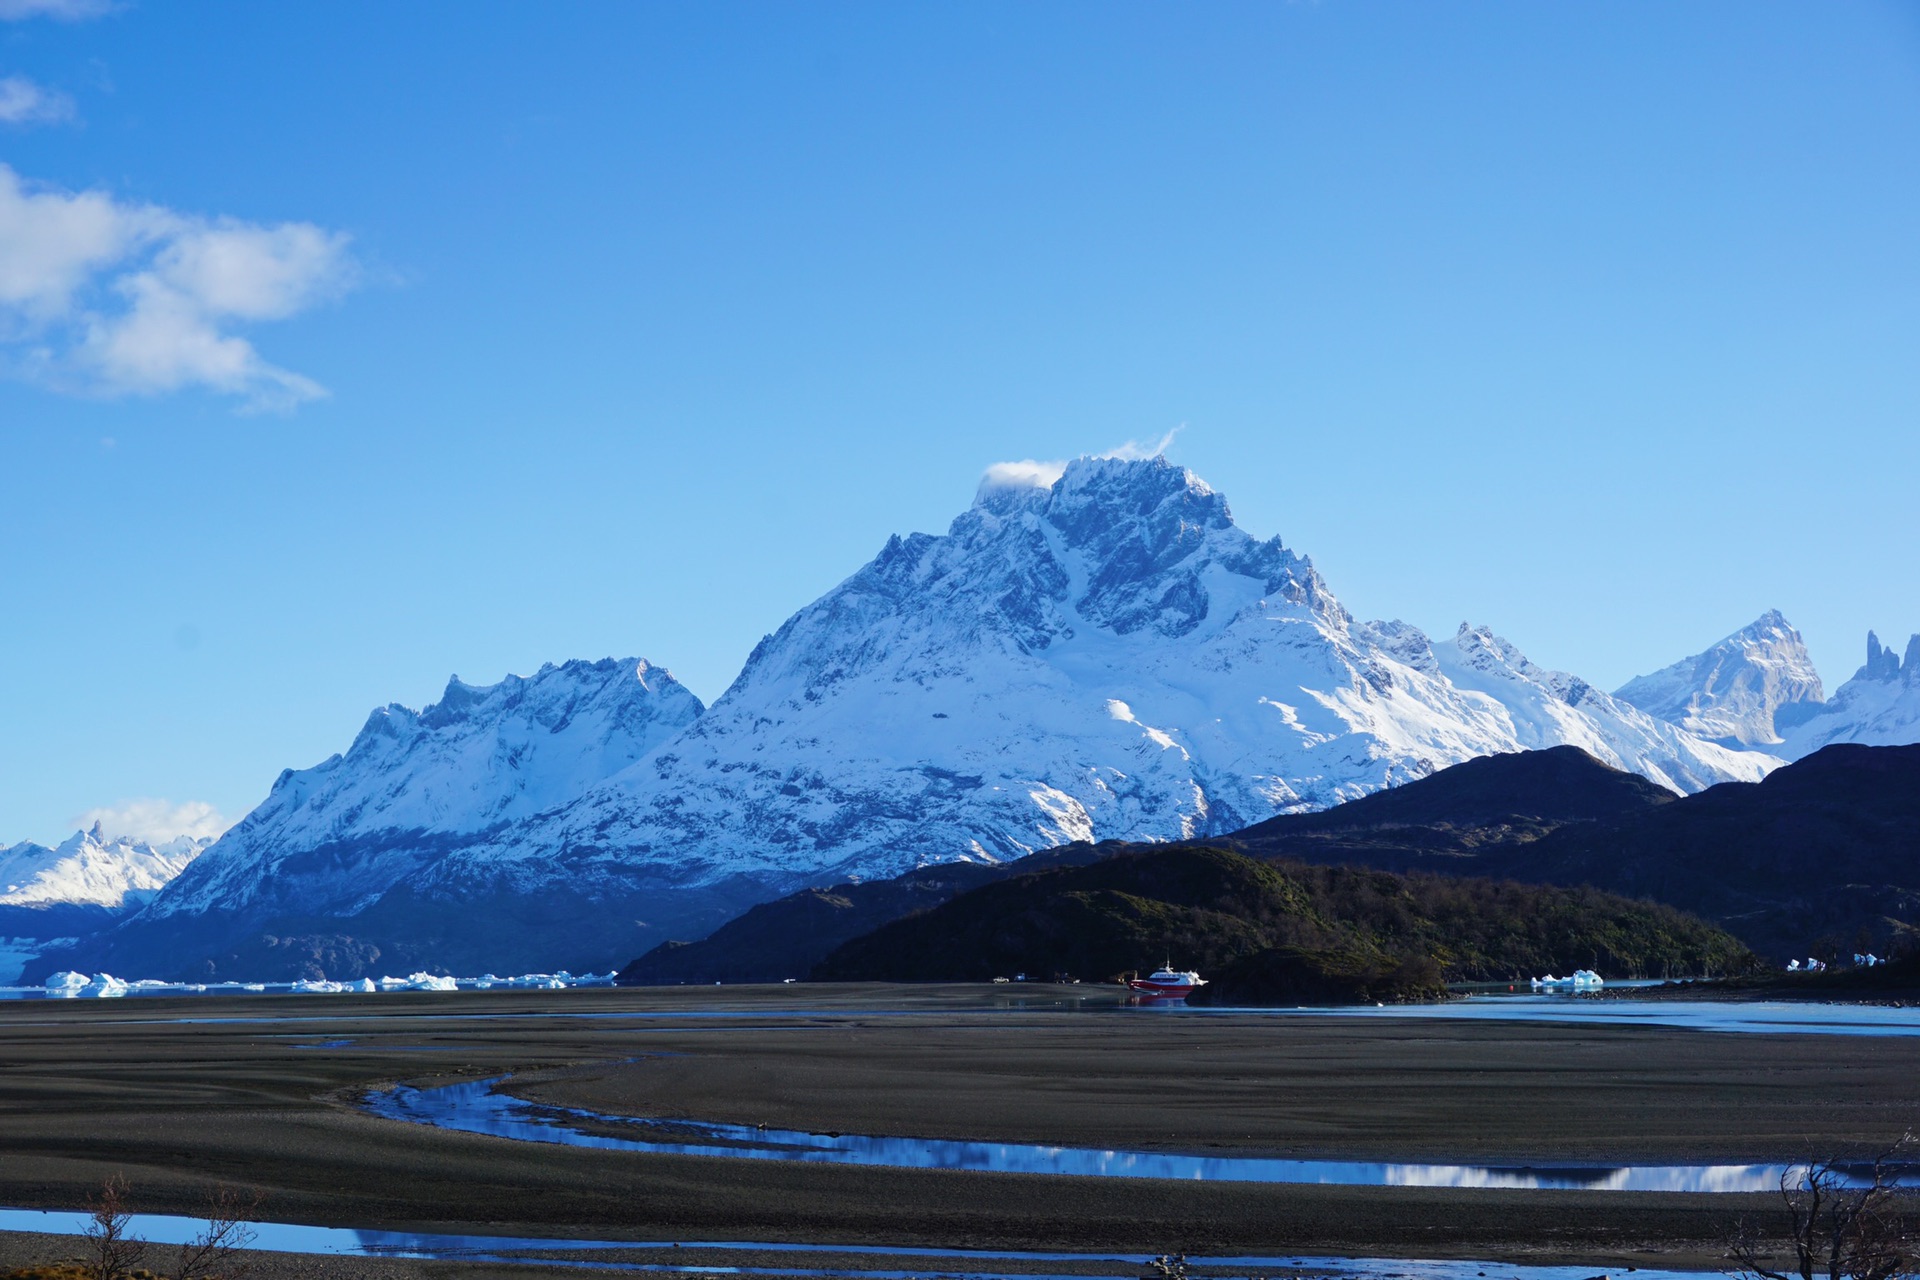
(343, 347)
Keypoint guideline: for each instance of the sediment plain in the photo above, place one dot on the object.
(261, 1092)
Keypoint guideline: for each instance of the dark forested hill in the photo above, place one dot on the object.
(785, 938)
(1454, 815)
(1333, 932)
(1823, 856)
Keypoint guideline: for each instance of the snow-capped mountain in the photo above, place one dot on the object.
(1744, 691)
(336, 837)
(81, 885)
(1879, 707)
(1104, 656)
(88, 869)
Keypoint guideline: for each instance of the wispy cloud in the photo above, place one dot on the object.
(59, 10)
(22, 102)
(1137, 450)
(105, 296)
(156, 820)
(1025, 474)
(1029, 473)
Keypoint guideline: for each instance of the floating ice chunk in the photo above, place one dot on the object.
(101, 986)
(320, 987)
(419, 982)
(1578, 980)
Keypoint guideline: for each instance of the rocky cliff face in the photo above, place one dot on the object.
(1744, 691)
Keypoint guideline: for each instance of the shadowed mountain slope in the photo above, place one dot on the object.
(1822, 856)
(786, 938)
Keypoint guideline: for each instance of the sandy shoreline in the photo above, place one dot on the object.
(174, 1098)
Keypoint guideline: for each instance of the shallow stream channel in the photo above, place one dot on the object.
(478, 1106)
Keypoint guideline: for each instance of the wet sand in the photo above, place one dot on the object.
(164, 1093)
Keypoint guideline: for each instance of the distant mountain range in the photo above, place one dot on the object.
(86, 883)
(1758, 688)
(1104, 657)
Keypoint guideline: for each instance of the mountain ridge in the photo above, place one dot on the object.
(1742, 690)
(1108, 656)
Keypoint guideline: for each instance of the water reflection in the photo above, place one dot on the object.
(474, 1107)
(791, 1259)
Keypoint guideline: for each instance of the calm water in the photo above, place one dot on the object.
(1765, 1016)
(474, 1107)
(282, 1237)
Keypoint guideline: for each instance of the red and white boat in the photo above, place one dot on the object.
(1168, 983)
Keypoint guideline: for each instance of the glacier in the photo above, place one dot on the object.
(1101, 655)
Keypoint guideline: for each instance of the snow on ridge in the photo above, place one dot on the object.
(1879, 706)
(480, 757)
(90, 869)
(958, 698)
(1743, 691)
(1551, 708)
(1107, 655)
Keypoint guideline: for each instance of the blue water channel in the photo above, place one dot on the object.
(477, 1107)
(974, 1264)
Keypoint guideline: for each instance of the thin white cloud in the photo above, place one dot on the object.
(156, 820)
(1031, 474)
(1025, 474)
(109, 297)
(22, 102)
(1138, 450)
(59, 10)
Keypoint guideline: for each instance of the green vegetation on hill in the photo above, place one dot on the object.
(1326, 933)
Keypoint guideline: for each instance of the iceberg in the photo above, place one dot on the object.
(420, 982)
(69, 985)
(1578, 980)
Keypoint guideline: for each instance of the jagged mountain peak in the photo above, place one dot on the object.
(1745, 690)
(1879, 707)
(1136, 484)
(480, 757)
(90, 868)
(1883, 664)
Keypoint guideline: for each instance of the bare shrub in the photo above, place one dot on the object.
(1836, 1230)
(214, 1254)
(112, 1251)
